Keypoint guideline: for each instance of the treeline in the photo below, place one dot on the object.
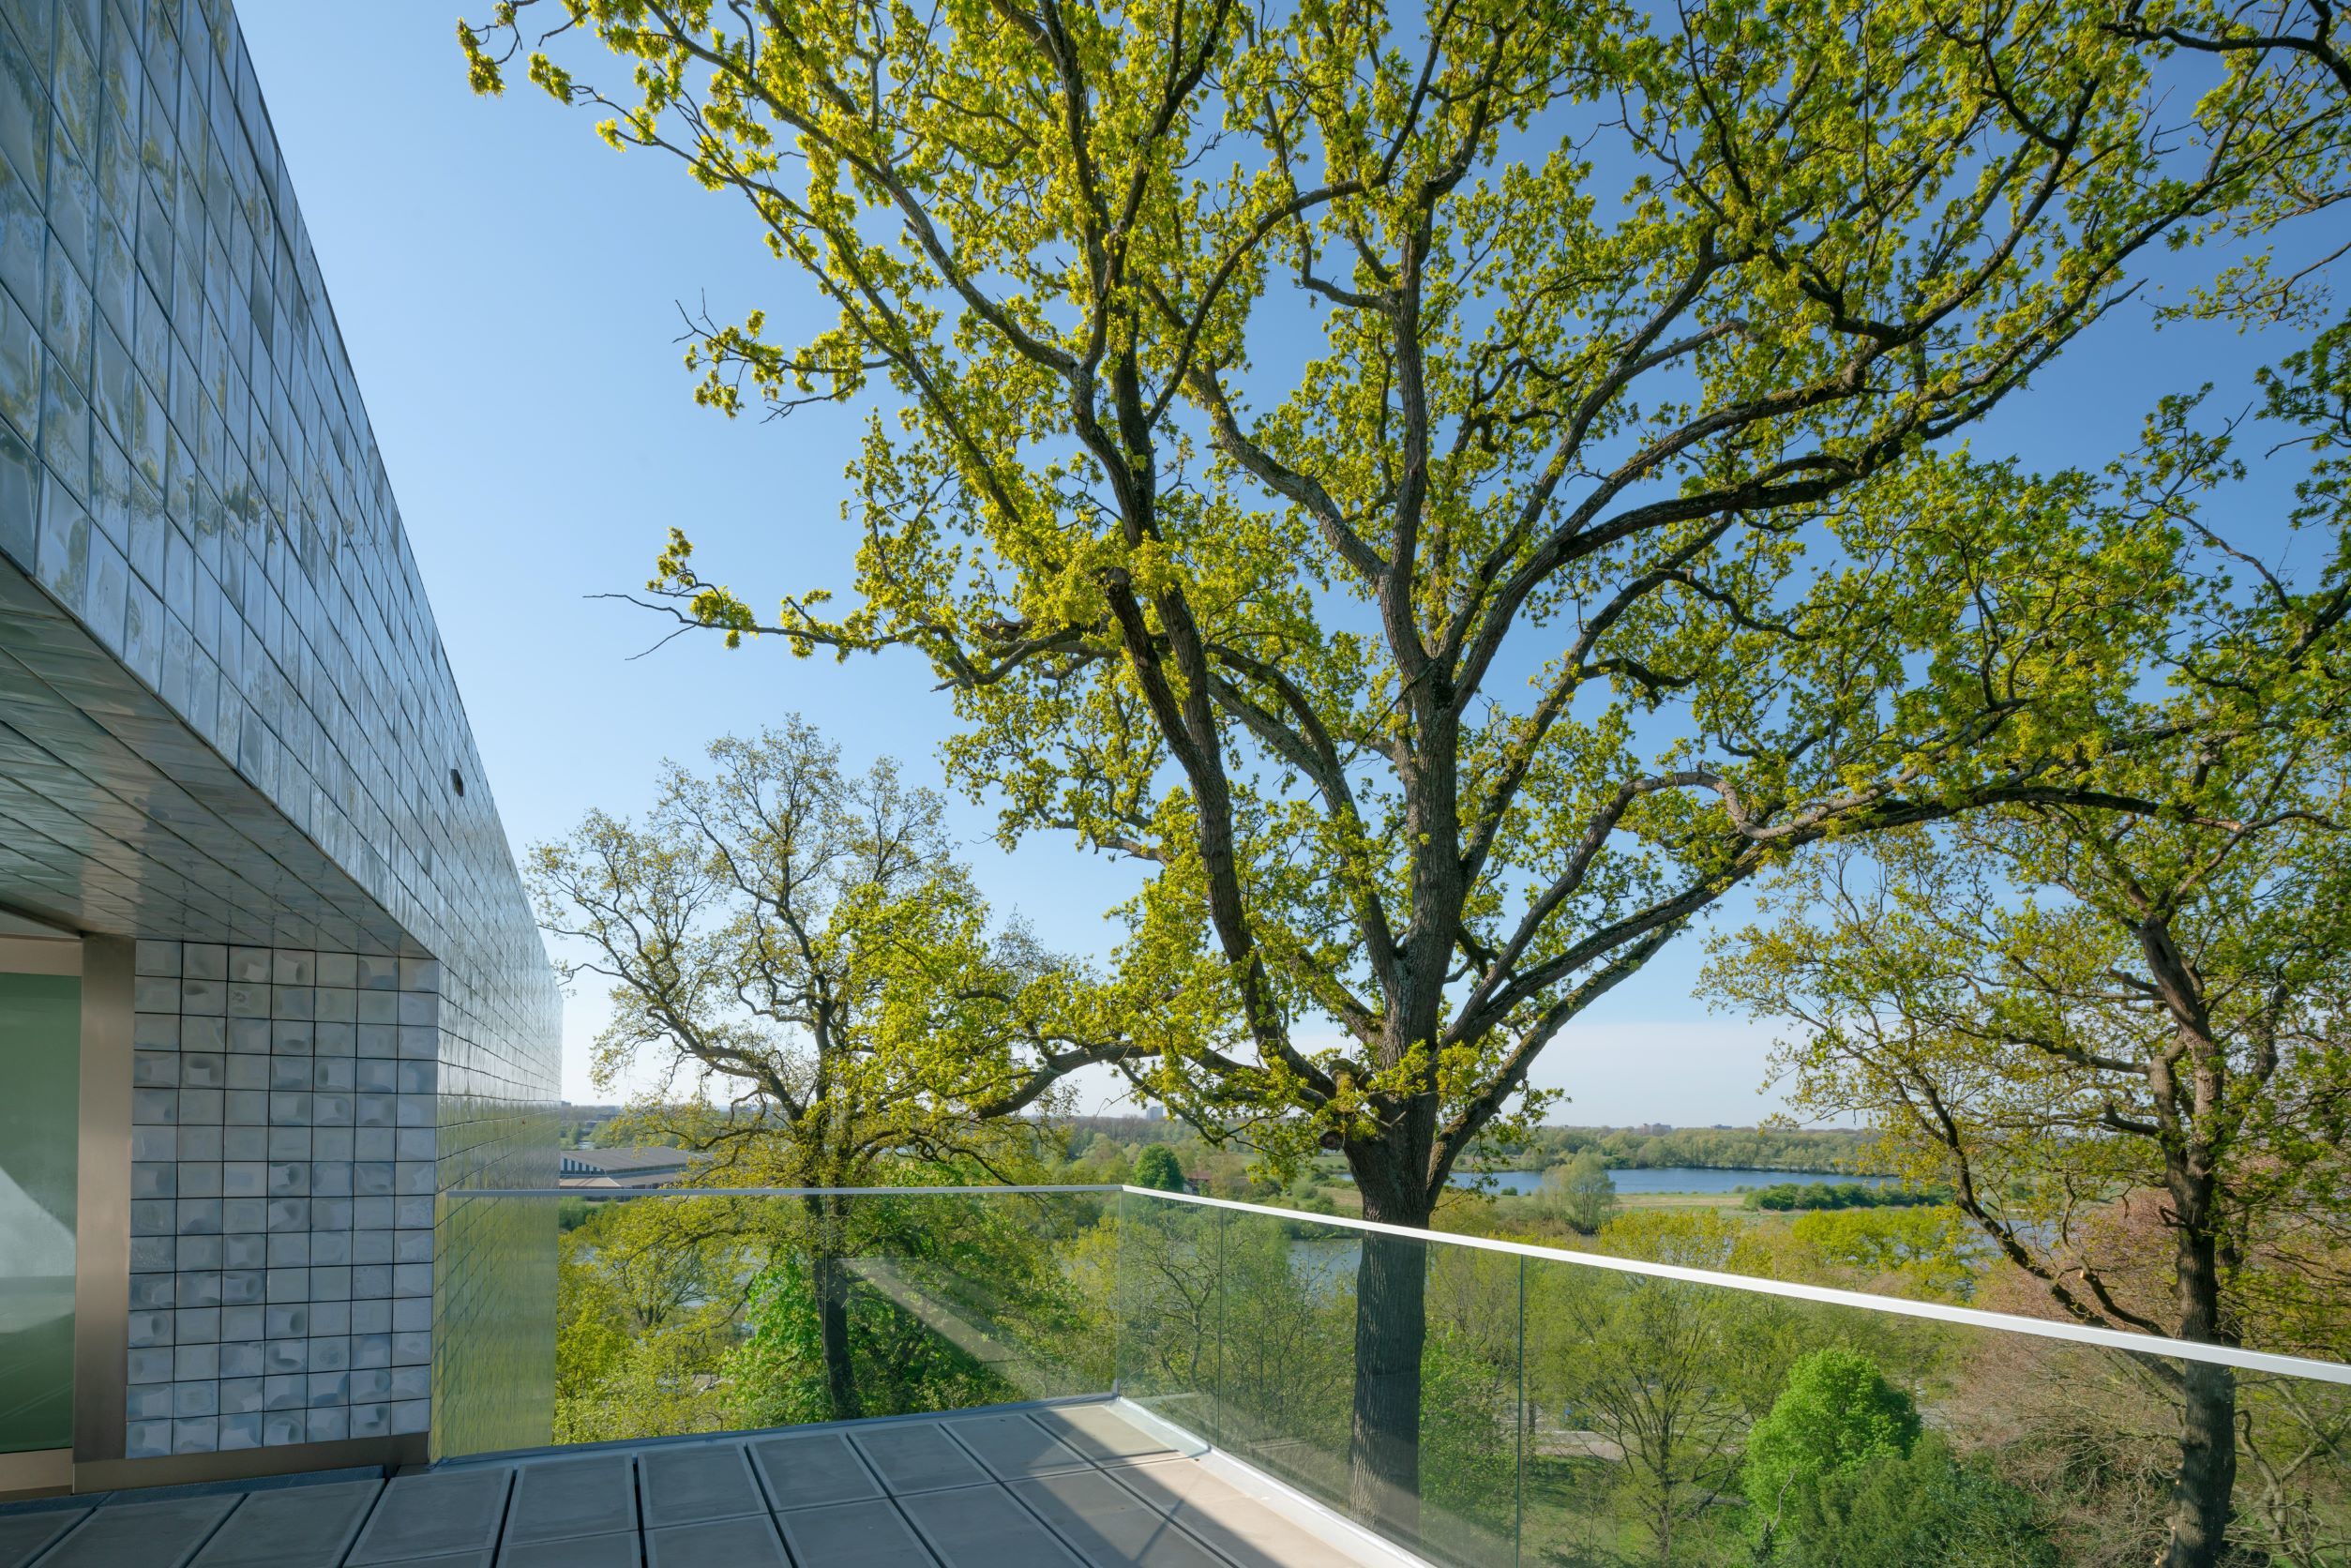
(1785, 1196)
(1656, 1147)
(1653, 1146)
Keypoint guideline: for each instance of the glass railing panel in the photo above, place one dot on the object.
(1379, 1374)
(680, 1311)
(1171, 1286)
(1686, 1421)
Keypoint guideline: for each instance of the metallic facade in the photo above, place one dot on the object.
(228, 730)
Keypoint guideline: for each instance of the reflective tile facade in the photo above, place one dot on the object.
(228, 729)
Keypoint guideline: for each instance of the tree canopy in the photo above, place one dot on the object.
(1449, 492)
(803, 941)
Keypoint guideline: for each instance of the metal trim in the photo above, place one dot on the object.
(101, 1280)
(246, 1464)
(39, 956)
(16, 922)
(35, 1472)
(1973, 1316)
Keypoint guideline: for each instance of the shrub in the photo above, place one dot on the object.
(1837, 1412)
(1925, 1511)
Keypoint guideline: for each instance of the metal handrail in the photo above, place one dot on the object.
(1999, 1323)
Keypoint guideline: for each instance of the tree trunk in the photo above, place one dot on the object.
(2206, 1480)
(1391, 1330)
(2208, 1468)
(828, 1283)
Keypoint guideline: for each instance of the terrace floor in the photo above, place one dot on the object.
(1062, 1486)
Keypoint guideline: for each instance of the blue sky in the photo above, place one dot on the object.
(509, 291)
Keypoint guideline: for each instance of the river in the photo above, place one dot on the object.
(1669, 1178)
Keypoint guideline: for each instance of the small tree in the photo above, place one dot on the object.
(1580, 1193)
(801, 943)
(1837, 1413)
(1157, 1168)
(1670, 1372)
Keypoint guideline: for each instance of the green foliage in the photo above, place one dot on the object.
(1912, 1251)
(1837, 1412)
(804, 943)
(1923, 1509)
(1667, 1374)
(777, 1376)
(1786, 1196)
(1156, 1166)
(1700, 1148)
(644, 1314)
(1607, 541)
(1579, 1194)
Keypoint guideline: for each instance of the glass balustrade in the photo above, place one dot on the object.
(1474, 1402)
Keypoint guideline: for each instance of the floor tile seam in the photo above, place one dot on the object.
(987, 1476)
(743, 1457)
(637, 1503)
(1047, 1525)
(1172, 1512)
(83, 1523)
(914, 1535)
(343, 1560)
(505, 1511)
(59, 1539)
(857, 1457)
(1061, 1439)
(636, 1522)
(350, 1541)
(1001, 1478)
(366, 1521)
(913, 1532)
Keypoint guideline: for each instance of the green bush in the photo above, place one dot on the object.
(1835, 1413)
(1157, 1168)
(1925, 1511)
(1788, 1197)
(1580, 1193)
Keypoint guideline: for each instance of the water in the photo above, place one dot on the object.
(1671, 1178)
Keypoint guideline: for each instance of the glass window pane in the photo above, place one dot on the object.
(40, 1032)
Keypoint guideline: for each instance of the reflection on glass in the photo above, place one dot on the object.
(1421, 1446)
(40, 1024)
(694, 1313)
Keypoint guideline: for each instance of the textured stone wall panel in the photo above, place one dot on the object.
(230, 724)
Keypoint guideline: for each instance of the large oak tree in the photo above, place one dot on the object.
(1452, 490)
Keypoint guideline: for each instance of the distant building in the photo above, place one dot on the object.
(625, 1167)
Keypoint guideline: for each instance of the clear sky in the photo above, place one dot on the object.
(510, 289)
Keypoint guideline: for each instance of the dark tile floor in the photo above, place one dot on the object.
(1070, 1487)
